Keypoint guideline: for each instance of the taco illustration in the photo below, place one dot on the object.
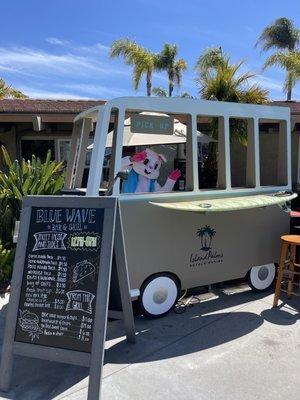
(82, 270)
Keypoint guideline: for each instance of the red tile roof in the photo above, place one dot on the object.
(35, 106)
(294, 105)
(11, 106)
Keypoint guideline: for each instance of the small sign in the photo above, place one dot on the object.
(141, 123)
(61, 281)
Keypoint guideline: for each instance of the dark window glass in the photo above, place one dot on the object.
(37, 147)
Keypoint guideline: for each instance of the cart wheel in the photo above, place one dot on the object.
(262, 277)
(159, 294)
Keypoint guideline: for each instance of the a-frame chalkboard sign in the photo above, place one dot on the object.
(61, 280)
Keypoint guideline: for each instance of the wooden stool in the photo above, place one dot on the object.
(287, 266)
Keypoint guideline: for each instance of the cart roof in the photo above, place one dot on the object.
(193, 106)
(89, 113)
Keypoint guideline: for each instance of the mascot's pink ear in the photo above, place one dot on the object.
(162, 158)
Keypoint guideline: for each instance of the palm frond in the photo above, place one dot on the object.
(159, 91)
(21, 179)
(8, 92)
(211, 58)
(133, 54)
(281, 34)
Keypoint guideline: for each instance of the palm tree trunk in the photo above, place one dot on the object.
(149, 82)
(171, 84)
(289, 95)
(289, 86)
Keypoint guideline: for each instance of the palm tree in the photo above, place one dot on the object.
(8, 92)
(161, 92)
(143, 61)
(166, 61)
(212, 57)
(220, 80)
(281, 35)
(290, 61)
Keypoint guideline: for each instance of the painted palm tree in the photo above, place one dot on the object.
(8, 92)
(166, 61)
(206, 234)
(283, 36)
(142, 60)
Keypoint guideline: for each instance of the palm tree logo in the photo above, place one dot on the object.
(206, 234)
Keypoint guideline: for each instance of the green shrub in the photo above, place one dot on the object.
(23, 179)
(6, 263)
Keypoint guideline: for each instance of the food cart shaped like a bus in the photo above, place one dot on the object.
(203, 188)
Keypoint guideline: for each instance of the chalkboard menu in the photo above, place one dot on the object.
(58, 306)
(59, 285)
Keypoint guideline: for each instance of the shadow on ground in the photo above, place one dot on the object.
(222, 317)
(156, 335)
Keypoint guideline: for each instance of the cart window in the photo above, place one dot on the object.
(273, 152)
(211, 161)
(242, 152)
(154, 152)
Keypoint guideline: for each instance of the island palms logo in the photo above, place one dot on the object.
(207, 254)
(206, 234)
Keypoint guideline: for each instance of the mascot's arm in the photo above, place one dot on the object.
(170, 182)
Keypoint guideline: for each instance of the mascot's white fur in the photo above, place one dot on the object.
(144, 171)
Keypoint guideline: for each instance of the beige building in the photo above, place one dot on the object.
(34, 126)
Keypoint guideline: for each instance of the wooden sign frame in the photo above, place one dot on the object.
(112, 240)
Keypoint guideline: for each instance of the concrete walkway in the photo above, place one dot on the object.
(230, 346)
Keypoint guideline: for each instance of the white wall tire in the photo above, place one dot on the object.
(159, 294)
(261, 278)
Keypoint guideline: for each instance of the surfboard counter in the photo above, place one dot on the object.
(230, 203)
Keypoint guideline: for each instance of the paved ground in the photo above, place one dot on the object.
(231, 346)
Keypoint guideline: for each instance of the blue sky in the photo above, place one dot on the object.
(59, 48)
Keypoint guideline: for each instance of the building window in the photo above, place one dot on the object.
(63, 149)
(37, 147)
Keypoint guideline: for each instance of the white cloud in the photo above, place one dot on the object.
(95, 48)
(30, 59)
(11, 69)
(269, 83)
(55, 95)
(94, 90)
(33, 61)
(56, 41)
